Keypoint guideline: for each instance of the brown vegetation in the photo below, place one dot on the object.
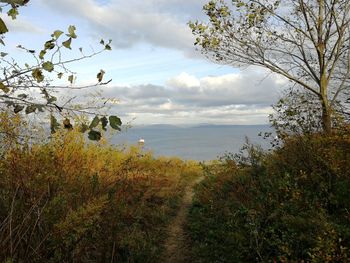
(68, 200)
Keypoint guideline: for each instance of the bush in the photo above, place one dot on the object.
(290, 205)
(72, 201)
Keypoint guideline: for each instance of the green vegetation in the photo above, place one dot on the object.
(65, 199)
(290, 205)
(69, 200)
(305, 42)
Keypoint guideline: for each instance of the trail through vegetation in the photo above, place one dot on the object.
(176, 248)
(73, 200)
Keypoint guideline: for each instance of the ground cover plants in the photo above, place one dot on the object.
(289, 205)
(69, 200)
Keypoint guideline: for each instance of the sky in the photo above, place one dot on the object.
(158, 76)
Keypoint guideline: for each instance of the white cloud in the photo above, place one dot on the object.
(156, 22)
(184, 80)
(240, 98)
(250, 86)
(21, 24)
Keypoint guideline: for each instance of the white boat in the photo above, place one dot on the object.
(141, 141)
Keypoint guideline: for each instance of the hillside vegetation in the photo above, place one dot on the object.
(67, 200)
(289, 205)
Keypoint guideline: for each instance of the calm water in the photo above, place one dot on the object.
(197, 143)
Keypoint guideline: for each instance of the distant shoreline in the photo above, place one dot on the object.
(199, 143)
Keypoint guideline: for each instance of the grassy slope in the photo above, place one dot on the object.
(71, 201)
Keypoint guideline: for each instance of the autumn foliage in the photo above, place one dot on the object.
(290, 205)
(69, 200)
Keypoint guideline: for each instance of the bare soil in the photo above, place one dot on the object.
(176, 247)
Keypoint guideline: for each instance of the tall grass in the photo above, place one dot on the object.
(71, 201)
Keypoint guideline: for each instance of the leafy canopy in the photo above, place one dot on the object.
(305, 41)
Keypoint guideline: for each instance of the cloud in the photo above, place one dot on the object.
(243, 97)
(240, 98)
(184, 81)
(21, 24)
(245, 87)
(160, 23)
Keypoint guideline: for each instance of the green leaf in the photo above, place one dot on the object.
(2, 54)
(18, 108)
(54, 125)
(71, 79)
(102, 42)
(38, 75)
(115, 122)
(42, 54)
(59, 75)
(4, 88)
(3, 27)
(57, 34)
(94, 122)
(67, 43)
(48, 66)
(71, 31)
(108, 47)
(100, 75)
(49, 44)
(104, 123)
(13, 13)
(94, 135)
(31, 109)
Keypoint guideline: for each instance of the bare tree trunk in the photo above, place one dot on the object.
(326, 116)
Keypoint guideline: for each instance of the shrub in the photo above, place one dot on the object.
(287, 206)
(73, 201)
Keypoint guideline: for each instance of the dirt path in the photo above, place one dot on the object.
(176, 250)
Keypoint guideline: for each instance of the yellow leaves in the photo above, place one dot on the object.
(215, 42)
(10, 128)
(78, 223)
(4, 88)
(87, 189)
(3, 27)
(224, 11)
(38, 75)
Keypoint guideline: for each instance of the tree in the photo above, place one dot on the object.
(298, 112)
(30, 87)
(306, 41)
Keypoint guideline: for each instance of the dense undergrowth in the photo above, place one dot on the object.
(71, 201)
(290, 205)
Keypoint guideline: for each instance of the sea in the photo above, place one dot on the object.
(200, 143)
